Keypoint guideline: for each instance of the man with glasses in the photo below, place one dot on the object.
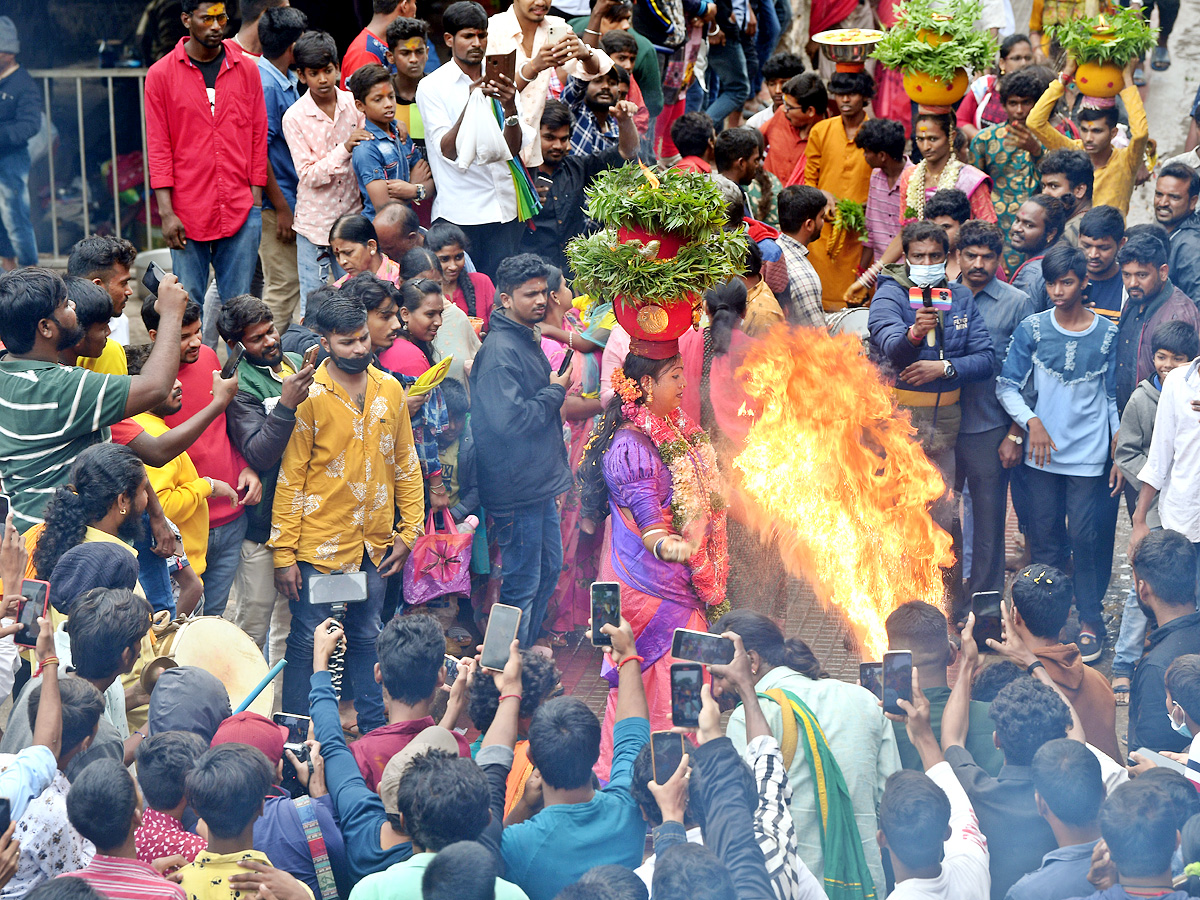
(208, 153)
(805, 102)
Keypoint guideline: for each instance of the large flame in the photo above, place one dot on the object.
(832, 469)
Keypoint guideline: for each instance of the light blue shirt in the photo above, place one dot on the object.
(25, 776)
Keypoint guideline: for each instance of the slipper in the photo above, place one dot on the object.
(1160, 59)
(459, 635)
(1139, 75)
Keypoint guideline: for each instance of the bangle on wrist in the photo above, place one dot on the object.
(523, 75)
(1036, 664)
(631, 658)
(504, 697)
(657, 546)
(590, 31)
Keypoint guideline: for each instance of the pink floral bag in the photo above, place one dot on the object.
(440, 562)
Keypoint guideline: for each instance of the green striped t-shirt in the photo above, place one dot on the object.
(49, 414)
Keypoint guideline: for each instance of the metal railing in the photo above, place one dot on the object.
(108, 77)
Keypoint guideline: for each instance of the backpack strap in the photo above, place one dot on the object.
(316, 847)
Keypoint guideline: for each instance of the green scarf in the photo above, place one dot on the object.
(846, 874)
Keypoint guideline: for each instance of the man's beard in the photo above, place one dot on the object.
(131, 530)
(69, 337)
(267, 362)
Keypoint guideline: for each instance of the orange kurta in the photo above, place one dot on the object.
(785, 147)
(836, 165)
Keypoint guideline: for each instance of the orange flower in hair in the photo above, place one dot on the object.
(625, 387)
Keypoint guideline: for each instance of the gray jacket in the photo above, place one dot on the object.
(1133, 441)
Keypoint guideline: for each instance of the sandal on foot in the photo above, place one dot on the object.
(1160, 59)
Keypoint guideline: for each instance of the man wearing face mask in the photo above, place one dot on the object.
(931, 353)
(349, 471)
(1164, 575)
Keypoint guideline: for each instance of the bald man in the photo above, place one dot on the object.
(398, 229)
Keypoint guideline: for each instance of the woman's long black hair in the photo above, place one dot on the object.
(412, 294)
(418, 260)
(100, 474)
(443, 234)
(761, 634)
(593, 490)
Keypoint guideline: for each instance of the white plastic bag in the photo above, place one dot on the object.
(480, 140)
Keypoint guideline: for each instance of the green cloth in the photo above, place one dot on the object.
(847, 876)
(979, 734)
(403, 882)
(1014, 177)
(645, 68)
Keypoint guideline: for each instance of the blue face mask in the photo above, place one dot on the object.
(927, 276)
(1181, 728)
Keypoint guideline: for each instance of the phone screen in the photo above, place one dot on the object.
(686, 703)
(4, 507)
(296, 725)
(988, 624)
(28, 611)
(606, 610)
(710, 649)
(450, 665)
(337, 587)
(666, 749)
(870, 675)
(503, 623)
(897, 680)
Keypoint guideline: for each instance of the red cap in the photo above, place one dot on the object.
(257, 731)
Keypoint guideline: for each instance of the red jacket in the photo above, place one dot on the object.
(209, 161)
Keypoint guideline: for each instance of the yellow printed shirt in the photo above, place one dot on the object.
(208, 877)
(344, 476)
(1114, 180)
(183, 495)
(111, 361)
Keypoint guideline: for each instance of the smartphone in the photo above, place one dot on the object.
(311, 354)
(236, 352)
(152, 280)
(503, 623)
(606, 610)
(686, 703)
(666, 749)
(988, 624)
(710, 649)
(897, 680)
(337, 587)
(5, 814)
(36, 603)
(297, 726)
(558, 31)
(500, 64)
(5, 506)
(566, 363)
(450, 667)
(870, 676)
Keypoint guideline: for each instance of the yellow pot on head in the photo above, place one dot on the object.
(1099, 79)
(923, 89)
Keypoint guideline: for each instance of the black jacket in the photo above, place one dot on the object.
(1148, 725)
(516, 419)
(466, 471)
(1185, 257)
(20, 110)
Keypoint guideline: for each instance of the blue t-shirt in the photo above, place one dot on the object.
(559, 844)
(280, 93)
(385, 157)
(279, 833)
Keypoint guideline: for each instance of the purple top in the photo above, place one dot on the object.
(638, 481)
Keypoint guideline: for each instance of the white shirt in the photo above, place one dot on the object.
(504, 36)
(482, 195)
(50, 846)
(964, 874)
(1173, 463)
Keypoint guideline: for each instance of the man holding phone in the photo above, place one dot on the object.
(53, 413)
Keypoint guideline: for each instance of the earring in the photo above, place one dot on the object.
(123, 510)
(650, 393)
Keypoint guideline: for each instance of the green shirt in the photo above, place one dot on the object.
(1014, 177)
(403, 882)
(49, 414)
(979, 733)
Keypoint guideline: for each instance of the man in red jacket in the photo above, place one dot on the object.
(206, 132)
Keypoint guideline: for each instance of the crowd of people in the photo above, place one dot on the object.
(370, 336)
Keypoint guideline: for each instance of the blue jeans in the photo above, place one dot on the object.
(531, 557)
(765, 39)
(14, 206)
(1131, 638)
(362, 627)
(224, 557)
(728, 63)
(312, 269)
(783, 12)
(233, 258)
(152, 573)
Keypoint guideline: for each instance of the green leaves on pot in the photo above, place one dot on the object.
(686, 203)
(1125, 35)
(967, 48)
(605, 267)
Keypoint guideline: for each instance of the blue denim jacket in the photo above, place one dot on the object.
(384, 158)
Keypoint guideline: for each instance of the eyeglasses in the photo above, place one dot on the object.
(209, 20)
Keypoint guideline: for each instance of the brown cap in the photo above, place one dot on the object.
(435, 737)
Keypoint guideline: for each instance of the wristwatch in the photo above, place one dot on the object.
(420, 192)
(950, 371)
(512, 120)
(1017, 439)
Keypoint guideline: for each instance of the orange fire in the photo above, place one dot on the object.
(832, 469)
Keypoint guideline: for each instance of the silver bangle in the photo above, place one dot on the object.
(528, 80)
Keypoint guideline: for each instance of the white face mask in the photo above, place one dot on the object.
(927, 276)
(1180, 727)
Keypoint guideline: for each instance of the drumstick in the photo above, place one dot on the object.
(267, 679)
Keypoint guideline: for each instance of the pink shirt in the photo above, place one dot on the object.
(388, 271)
(327, 189)
(160, 836)
(405, 358)
(126, 879)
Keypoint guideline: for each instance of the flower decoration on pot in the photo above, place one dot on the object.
(662, 244)
(934, 48)
(1102, 46)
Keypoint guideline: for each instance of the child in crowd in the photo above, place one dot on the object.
(163, 763)
(384, 164)
(103, 806)
(1174, 344)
